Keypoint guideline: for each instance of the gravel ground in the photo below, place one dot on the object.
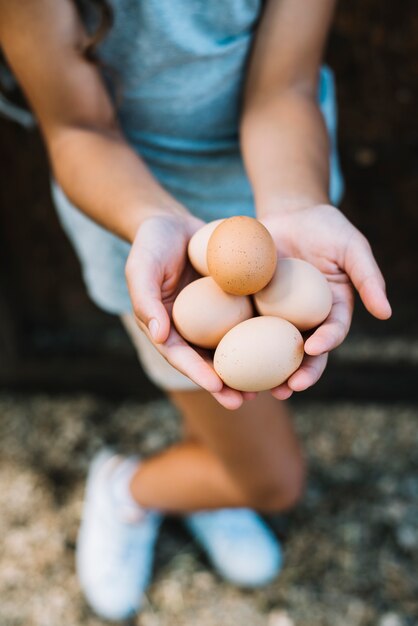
(351, 547)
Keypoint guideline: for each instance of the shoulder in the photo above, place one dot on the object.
(44, 42)
(46, 23)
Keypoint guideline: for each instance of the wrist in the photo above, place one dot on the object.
(173, 220)
(135, 217)
(284, 203)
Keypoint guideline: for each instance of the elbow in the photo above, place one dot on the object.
(288, 93)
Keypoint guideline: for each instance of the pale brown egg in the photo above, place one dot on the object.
(198, 247)
(298, 292)
(203, 312)
(259, 354)
(241, 255)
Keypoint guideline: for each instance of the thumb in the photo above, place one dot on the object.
(144, 279)
(366, 277)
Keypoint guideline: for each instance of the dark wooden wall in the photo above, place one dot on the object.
(52, 336)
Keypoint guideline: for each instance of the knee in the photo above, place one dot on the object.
(280, 492)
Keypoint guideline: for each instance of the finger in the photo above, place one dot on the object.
(249, 395)
(207, 355)
(186, 360)
(229, 398)
(309, 373)
(181, 356)
(144, 280)
(335, 328)
(282, 392)
(361, 267)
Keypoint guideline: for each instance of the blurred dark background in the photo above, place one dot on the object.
(53, 338)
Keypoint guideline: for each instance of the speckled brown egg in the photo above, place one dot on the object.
(241, 255)
(259, 354)
(203, 312)
(298, 292)
(198, 247)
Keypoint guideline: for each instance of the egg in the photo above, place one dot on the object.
(298, 292)
(241, 255)
(203, 312)
(198, 246)
(259, 354)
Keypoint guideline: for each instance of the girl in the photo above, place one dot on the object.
(213, 109)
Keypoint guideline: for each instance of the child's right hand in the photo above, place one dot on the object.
(157, 269)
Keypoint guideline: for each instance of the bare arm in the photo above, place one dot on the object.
(43, 41)
(283, 136)
(286, 153)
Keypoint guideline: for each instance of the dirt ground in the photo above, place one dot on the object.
(351, 547)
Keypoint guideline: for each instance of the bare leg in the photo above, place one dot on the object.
(248, 457)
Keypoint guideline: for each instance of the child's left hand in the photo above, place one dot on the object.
(323, 236)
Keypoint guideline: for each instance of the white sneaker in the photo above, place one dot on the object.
(239, 544)
(115, 545)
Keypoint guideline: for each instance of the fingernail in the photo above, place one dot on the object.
(153, 328)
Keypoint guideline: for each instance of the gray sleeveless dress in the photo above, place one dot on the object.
(181, 66)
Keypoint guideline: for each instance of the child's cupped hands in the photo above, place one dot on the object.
(158, 268)
(156, 271)
(323, 236)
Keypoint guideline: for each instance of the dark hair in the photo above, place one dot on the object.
(97, 15)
